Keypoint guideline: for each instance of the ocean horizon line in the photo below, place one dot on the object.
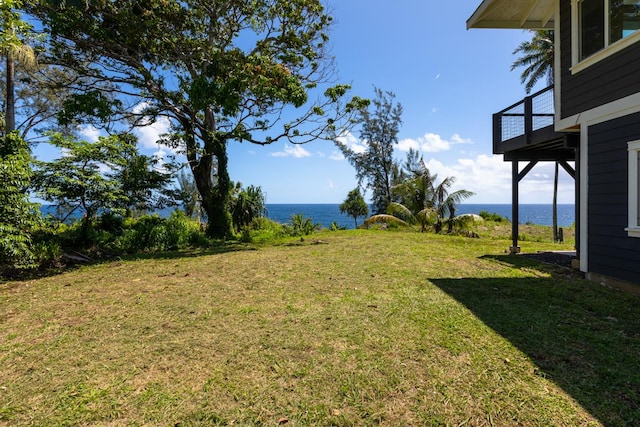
(326, 214)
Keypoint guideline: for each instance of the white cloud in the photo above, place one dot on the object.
(149, 135)
(432, 143)
(489, 177)
(457, 139)
(353, 143)
(292, 151)
(336, 155)
(90, 133)
(330, 183)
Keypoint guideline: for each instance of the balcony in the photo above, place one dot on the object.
(525, 131)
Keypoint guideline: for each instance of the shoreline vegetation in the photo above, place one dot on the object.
(344, 328)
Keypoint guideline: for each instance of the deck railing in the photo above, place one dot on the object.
(521, 119)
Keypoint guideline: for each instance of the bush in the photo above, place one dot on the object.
(492, 217)
(262, 230)
(151, 233)
(301, 226)
(47, 253)
(335, 227)
(18, 216)
(112, 223)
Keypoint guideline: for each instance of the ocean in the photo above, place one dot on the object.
(325, 214)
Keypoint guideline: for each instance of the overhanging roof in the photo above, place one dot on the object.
(525, 14)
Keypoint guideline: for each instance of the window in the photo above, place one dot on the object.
(624, 18)
(634, 189)
(601, 23)
(592, 28)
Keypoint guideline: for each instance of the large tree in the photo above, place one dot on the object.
(219, 70)
(374, 165)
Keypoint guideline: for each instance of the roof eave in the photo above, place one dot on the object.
(490, 14)
(496, 24)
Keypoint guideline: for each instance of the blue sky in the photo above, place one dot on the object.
(449, 81)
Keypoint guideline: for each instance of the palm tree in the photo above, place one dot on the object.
(423, 202)
(445, 203)
(537, 58)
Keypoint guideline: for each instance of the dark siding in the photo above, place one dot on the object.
(611, 252)
(610, 79)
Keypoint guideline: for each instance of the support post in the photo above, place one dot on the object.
(528, 118)
(515, 214)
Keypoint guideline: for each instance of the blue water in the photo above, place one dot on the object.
(325, 214)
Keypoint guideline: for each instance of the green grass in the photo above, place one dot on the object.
(350, 328)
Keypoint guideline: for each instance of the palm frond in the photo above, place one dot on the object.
(428, 215)
(385, 218)
(537, 59)
(397, 209)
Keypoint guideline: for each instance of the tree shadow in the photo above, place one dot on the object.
(215, 249)
(582, 336)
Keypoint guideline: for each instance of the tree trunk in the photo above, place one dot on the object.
(452, 215)
(214, 198)
(555, 206)
(219, 222)
(10, 117)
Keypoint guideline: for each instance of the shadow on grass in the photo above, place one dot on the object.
(583, 337)
(215, 249)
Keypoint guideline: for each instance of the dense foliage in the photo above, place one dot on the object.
(19, 218)
(247, 204)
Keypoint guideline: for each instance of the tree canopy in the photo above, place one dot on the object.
(354, 205)
(220, 71)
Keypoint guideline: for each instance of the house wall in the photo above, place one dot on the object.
(611, 252)
(612, 78)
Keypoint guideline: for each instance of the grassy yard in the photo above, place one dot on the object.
(349, 328)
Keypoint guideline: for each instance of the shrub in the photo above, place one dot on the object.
(111, 222)
(18, 216)
(492, 217)
(301, 226)
(335, 227)
(263, 230)
(152, 233)
(47, 253)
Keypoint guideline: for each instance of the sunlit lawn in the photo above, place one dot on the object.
(350, 328)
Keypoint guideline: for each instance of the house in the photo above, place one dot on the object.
(591, 116)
